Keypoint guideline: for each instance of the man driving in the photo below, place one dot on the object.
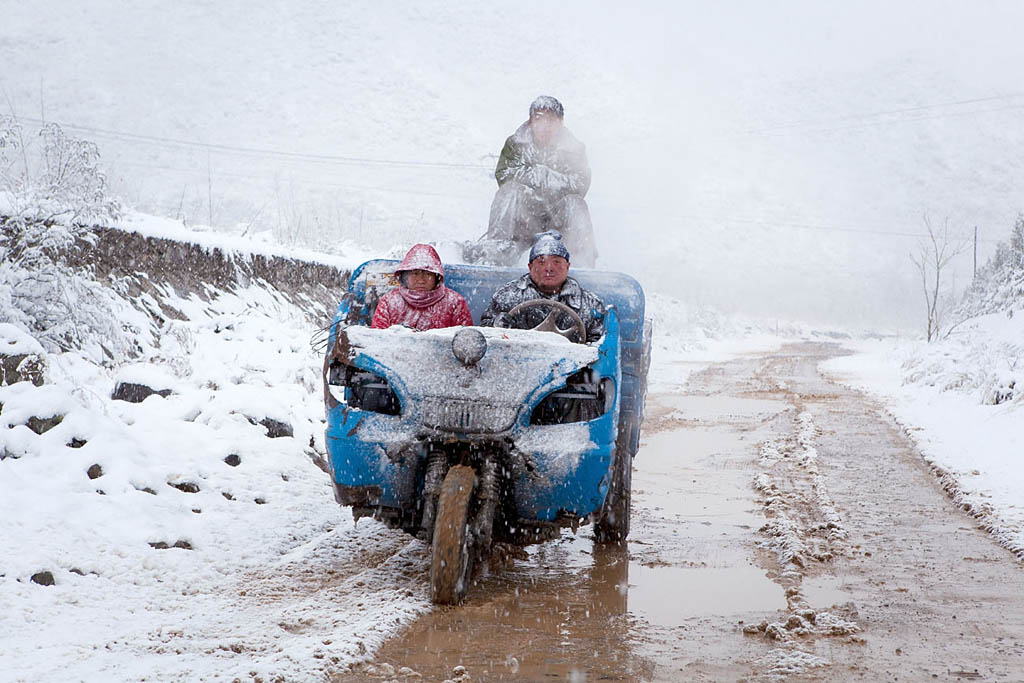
(547, 280)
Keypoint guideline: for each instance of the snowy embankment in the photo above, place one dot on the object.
(962, 402)
(187, 536)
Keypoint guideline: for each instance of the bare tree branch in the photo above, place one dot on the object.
(934, 254)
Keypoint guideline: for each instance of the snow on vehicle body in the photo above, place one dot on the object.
(465, 436)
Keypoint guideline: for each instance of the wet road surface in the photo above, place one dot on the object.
(783, 529)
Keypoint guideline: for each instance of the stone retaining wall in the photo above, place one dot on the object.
(189, 268)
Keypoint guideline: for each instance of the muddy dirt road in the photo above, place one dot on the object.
(783, 529)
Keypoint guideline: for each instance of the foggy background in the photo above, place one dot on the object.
(772, 160)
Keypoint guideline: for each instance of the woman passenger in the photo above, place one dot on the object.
(421, 300)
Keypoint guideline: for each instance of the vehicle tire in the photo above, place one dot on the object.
(451, 557)
(612, 525)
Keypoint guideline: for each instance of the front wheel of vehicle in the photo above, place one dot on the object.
(612, 525)
(451, 558)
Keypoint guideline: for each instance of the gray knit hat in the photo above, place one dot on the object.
(548, 243)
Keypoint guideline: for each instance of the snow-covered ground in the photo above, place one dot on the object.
(183, 541)
(962, 402)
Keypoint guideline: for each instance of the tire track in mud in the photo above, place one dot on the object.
(364, 572)
(803, 529)
(931, 595)
(1004, 533)
(341, 558)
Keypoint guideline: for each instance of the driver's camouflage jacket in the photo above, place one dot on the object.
(585, 303)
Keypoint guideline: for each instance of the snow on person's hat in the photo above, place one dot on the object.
(421, 257)
(548, 244)
(547, 103)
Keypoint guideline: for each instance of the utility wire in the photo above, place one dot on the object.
(916, 119)
(815, 227)
(822, 227)
(597, 205)
(290, 181)
(869, 115)
(334, 159)
(369, 161)
(326, 158)
(769, 131)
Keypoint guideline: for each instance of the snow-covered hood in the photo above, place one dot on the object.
(438, 390)
(422, 257)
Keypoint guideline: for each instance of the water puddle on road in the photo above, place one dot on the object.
(823, 591)
(697, 483)
(573, 610)
(699, 478)
(559, 614)
(671, 596)
(719, 407)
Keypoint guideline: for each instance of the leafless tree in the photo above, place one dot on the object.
(52, 199)
(934, 254)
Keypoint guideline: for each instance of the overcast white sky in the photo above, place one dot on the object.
(745, 154)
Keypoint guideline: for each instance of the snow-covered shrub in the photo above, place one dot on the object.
(52, 194)
(1000, 390)
(53, 202)
(982, 354)
(999, 285)
(982, 357)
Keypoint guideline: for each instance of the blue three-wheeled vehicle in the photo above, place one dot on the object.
(469, 436)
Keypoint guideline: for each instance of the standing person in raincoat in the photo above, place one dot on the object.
(542, 177)
(421, 300)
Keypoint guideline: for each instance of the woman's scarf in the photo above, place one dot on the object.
(421, 300)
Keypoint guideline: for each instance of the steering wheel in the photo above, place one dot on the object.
(550, 323)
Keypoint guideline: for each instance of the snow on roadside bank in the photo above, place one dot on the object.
(181, 541)
(344, 254)
(941, 394)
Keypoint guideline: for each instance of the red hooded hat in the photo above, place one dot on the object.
(422, 257)
(440, 307)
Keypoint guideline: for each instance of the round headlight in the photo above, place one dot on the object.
(469, 346)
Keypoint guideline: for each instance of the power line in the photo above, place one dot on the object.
(821, 227)
(272, 153)
(597, 205)
(888, 112)
(386, 162)
(912, 120)
(300, 181)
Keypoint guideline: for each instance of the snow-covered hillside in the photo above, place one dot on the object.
(766, 160)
